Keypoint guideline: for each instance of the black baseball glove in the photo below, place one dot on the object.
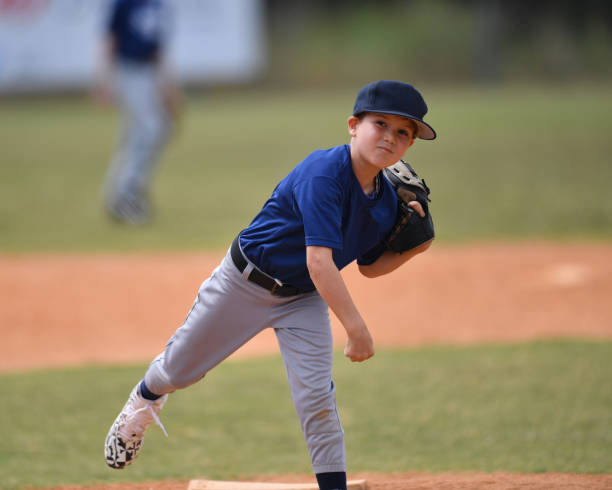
(409, 230)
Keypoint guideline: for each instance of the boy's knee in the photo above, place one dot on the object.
(317, 409)
(152, 130)
(180, 380)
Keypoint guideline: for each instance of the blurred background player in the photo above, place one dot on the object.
(134, 71)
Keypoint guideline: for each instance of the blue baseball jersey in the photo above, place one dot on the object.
(320, 202)
(139, 28)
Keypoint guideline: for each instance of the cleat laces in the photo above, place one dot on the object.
(138, 421)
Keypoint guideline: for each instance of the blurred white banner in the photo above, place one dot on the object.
(54, 44)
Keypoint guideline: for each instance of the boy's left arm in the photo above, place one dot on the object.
(389, 261)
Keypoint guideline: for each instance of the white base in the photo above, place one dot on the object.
(244, 485)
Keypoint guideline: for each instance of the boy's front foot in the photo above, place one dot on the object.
(124, 439)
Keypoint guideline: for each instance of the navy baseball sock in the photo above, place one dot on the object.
(146, 394)
(332, 481)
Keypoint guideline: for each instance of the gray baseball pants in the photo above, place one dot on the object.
(228, 311)
(145, 129)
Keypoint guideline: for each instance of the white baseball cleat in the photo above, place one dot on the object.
(132, 210)
(124, 439)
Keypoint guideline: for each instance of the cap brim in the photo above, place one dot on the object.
(426, 132)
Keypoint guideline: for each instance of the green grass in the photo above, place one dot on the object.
(532, 407)
(510, 162)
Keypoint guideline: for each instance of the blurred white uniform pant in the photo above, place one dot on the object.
(146, 124)
(228, 311)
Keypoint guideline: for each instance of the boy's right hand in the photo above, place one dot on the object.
(359, 345)
(330, 285)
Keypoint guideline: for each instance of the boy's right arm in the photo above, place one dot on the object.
(102, 92)
(330, 285)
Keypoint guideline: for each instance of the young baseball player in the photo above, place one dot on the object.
(134, 68)
(283, 272)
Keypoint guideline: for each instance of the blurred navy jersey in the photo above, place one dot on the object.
(139, 28)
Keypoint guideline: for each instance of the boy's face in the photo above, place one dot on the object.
(380, 139)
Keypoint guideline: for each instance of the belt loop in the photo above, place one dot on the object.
(250, 272)
(247, 270)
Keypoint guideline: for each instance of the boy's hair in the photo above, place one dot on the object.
(413, 125)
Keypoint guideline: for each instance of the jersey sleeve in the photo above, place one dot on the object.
(318, 200)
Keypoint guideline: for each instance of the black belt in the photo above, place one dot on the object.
(258, 277)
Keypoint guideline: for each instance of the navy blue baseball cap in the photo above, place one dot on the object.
(398, 98)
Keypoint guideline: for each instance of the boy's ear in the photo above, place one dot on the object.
(352, 122)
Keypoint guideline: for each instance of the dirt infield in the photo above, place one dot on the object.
(70, 310)
(421, 481)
